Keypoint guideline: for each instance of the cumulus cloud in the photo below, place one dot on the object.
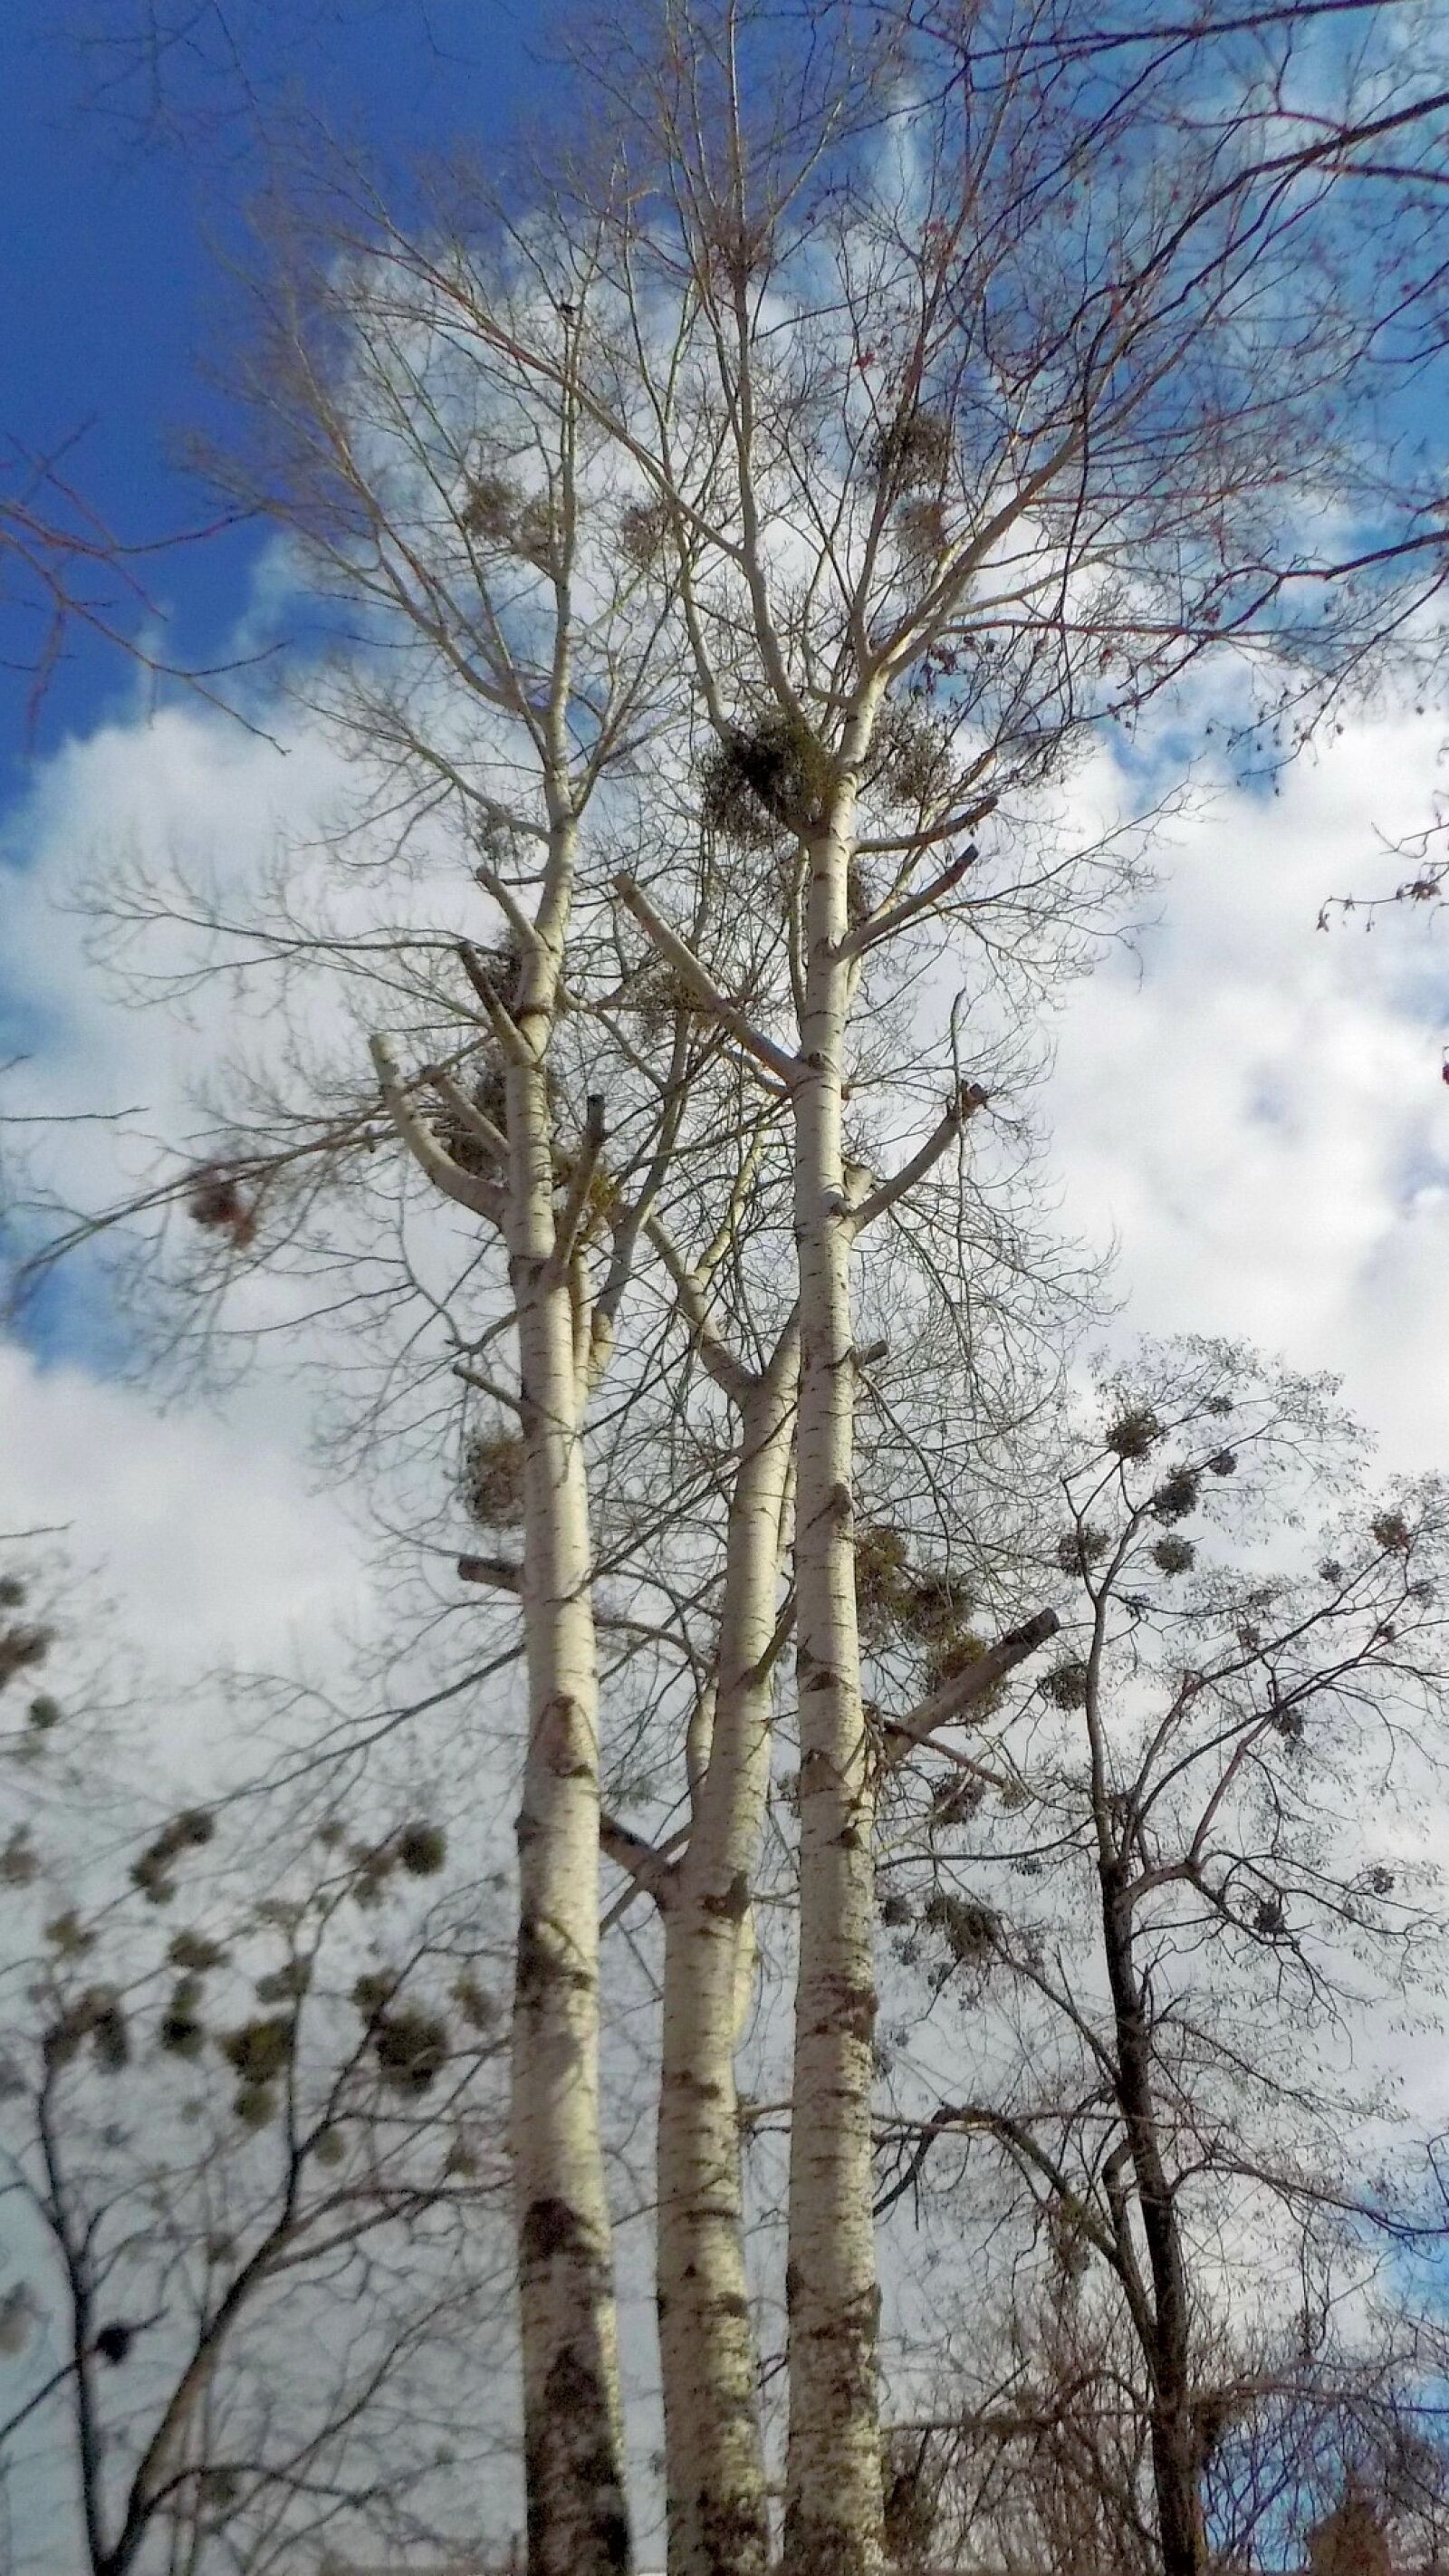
(1252, 1106)
(215, 1543)
(213, 1537)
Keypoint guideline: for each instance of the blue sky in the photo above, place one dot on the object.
(113, 228)
(110, 236)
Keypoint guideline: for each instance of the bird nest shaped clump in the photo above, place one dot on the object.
(967, 1928)
(760, 781)
(914, 450)
(493, 1478)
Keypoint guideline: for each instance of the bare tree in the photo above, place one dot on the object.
(252, 2167)
(1225, 1756)
(1330, 2436)
(917, 430)
(769, 528)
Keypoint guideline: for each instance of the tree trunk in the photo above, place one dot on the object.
(1173, 2429)
(833, 2509)
(573, 2435)
(718, 2509)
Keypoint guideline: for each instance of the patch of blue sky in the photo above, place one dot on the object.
(70, 1316)
(111, 283)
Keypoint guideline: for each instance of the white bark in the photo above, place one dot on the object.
(833, 2509)
(573, 2426)
(573, 2432)
(718, 2508)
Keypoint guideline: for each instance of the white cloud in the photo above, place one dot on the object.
(204, 1518)
(1253, 1106)
(214, 1543)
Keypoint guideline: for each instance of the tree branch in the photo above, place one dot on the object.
(868, 934)
(639, 1860)
(570, 1224)
(968, 1100)
(467, 1113)
(785, 1068)
(500, 1019)
(948, 1705)
(727, 1371)
(479, 1196)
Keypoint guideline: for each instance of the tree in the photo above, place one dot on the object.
(804, 502)
(1220, 1772)
(695, 1129)
(254, 2167)
(918, 444)
(1049, 2471)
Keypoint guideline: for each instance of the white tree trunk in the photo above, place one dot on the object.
(573, 2433)
(718, 2507)
(833, 2509)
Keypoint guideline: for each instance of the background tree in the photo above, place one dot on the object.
(1225, 1771)
(251, 2123)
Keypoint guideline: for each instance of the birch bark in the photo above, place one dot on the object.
(718, 2508)
(573, 2432)
(833, 2508)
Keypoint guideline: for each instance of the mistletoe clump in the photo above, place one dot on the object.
(880, 1573)
(190, 1831)
(759, 782)
(932, 1607)
(644, 529)
(1176, 1496)
(411, 2047)
(216, 1201)
(911, 754)
(1079, 1549)
(1135, 1431)
(96, 2014)
(914, 450)
(478, 2008)
(490, 510)
(951, 1656)
(493, 1478)
(260, 2050)
(422, 1849)
(21, 1647)
(967, 1928)
(1066, 1684)
(182, 2032)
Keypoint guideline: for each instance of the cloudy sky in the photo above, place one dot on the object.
(1249, 1108)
